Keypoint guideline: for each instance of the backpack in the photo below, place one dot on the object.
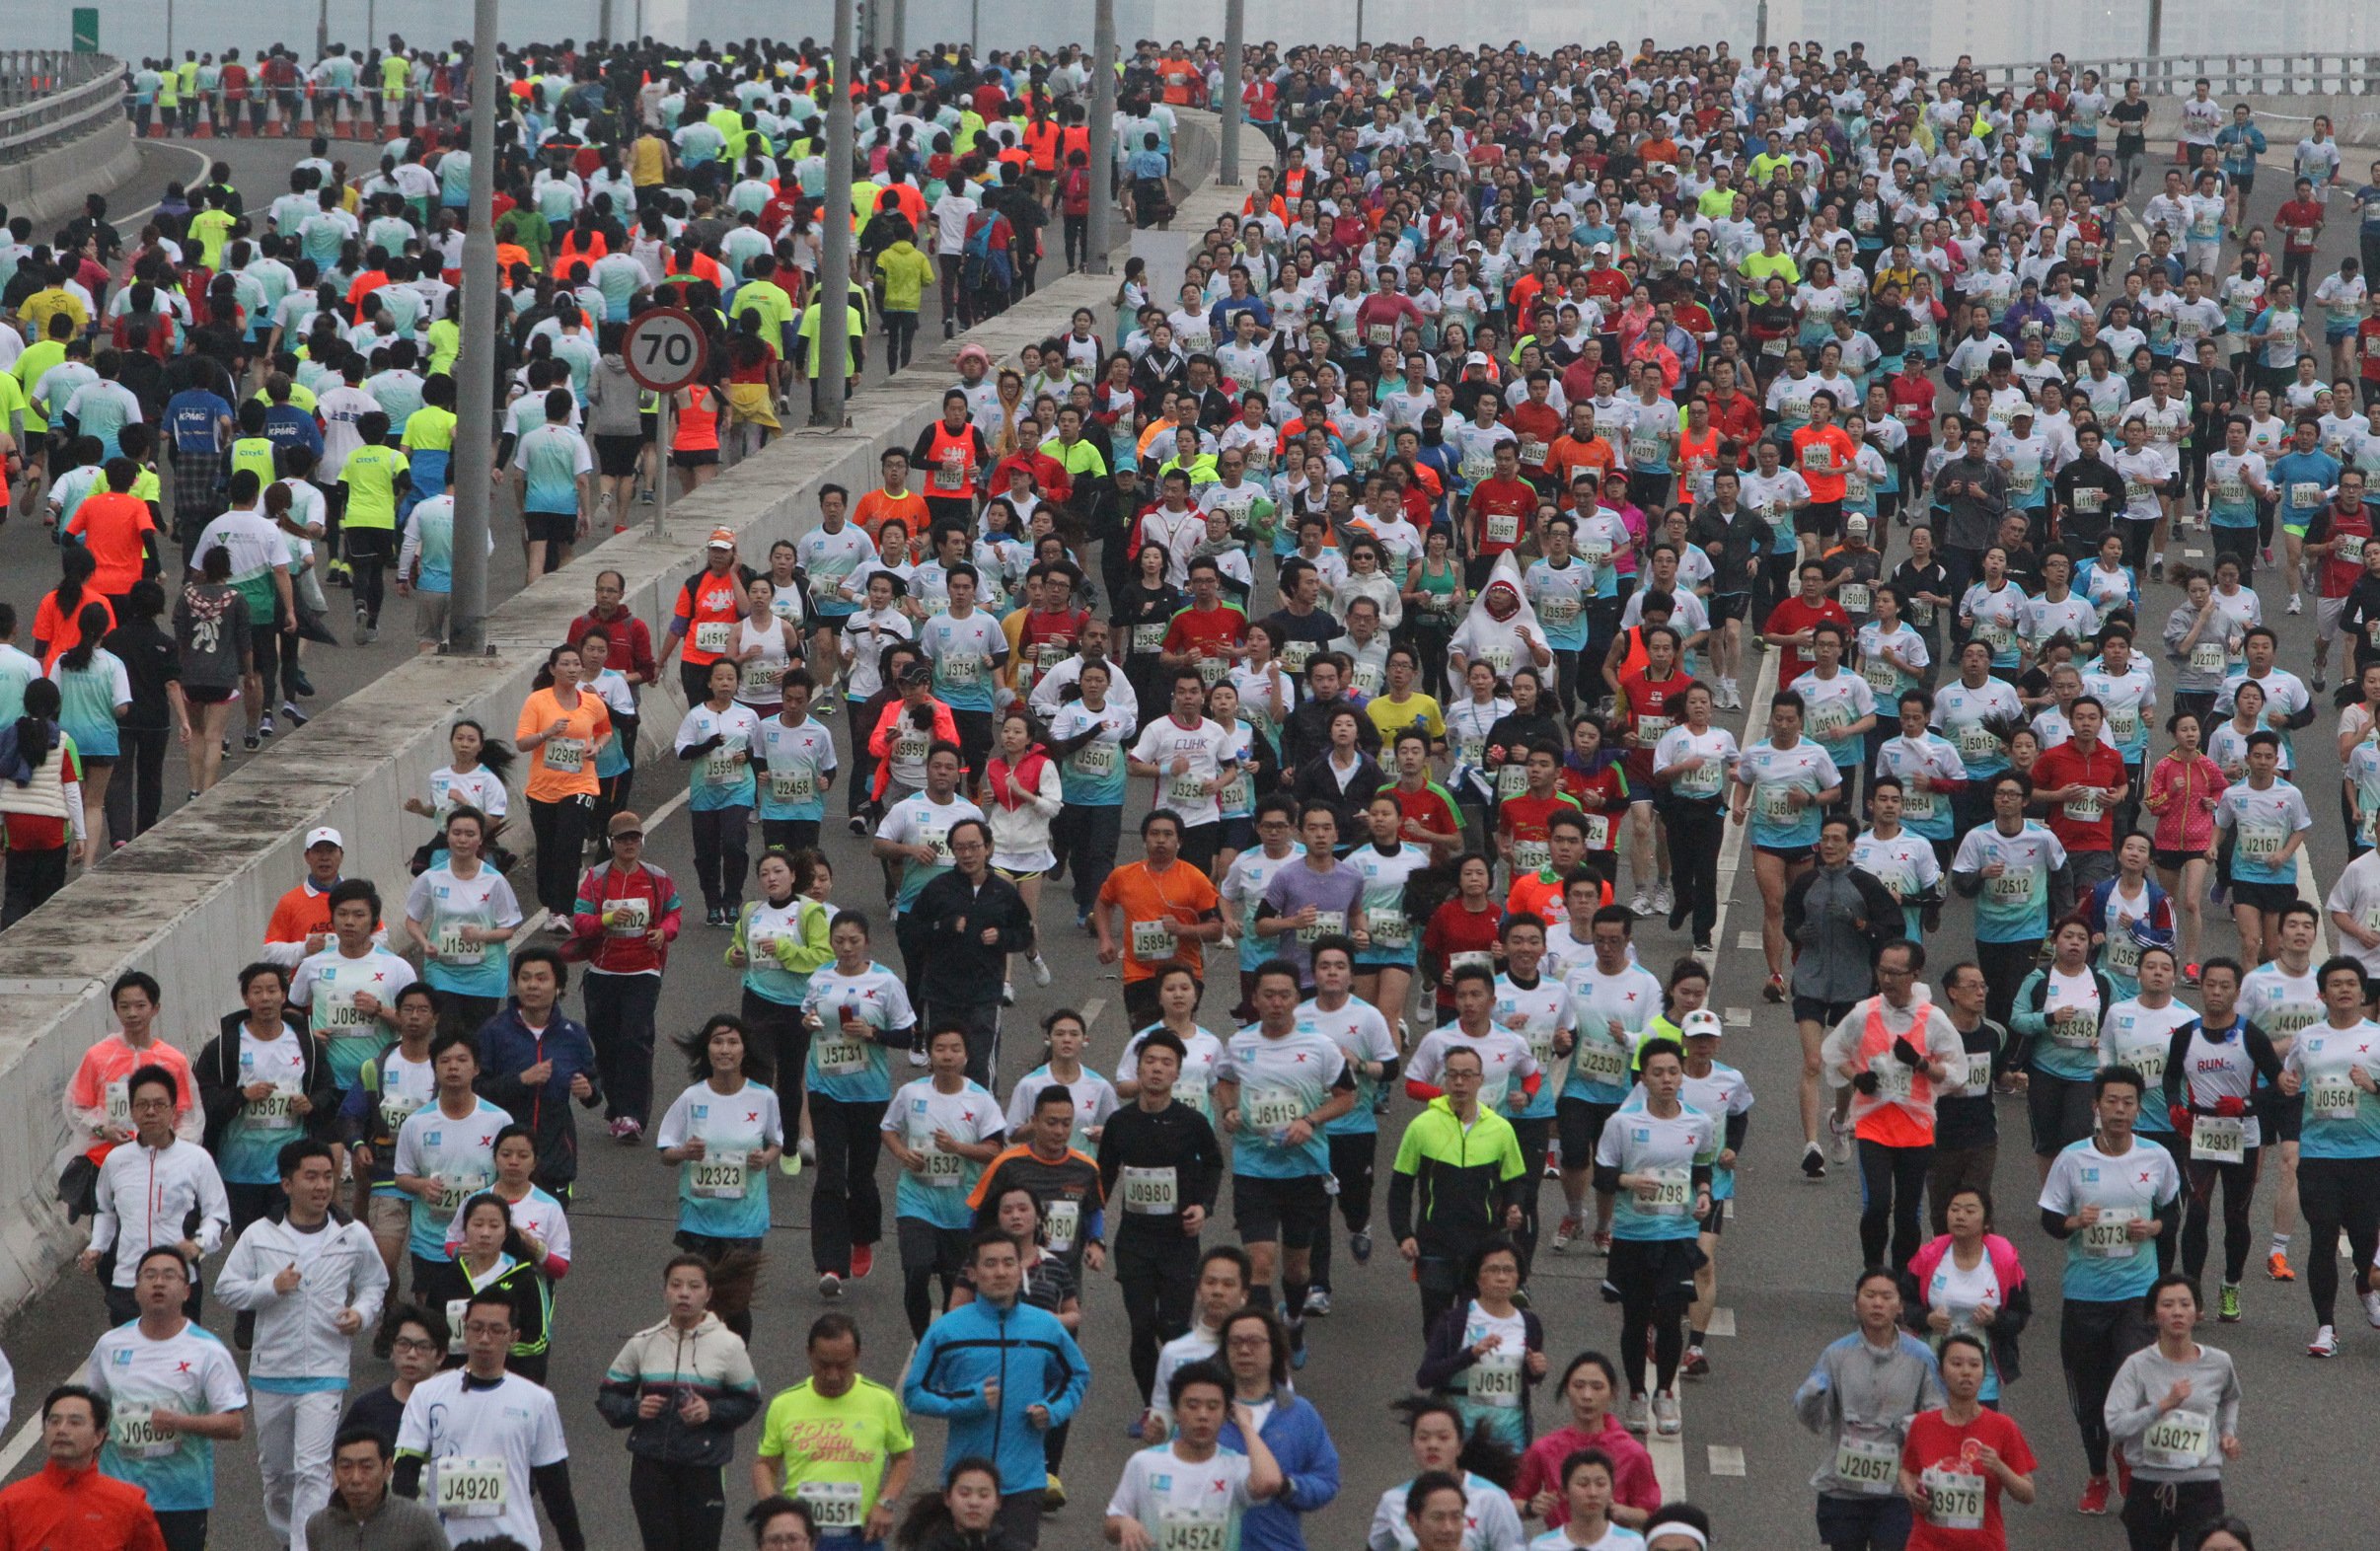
(986, 267)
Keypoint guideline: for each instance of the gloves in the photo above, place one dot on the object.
(2231, 1106)
(2178, 1116)
(1907, 1054)
(1866, 1082)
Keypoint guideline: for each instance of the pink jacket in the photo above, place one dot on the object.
(2182, 794)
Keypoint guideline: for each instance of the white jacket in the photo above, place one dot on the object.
(146, 1195)
(295, 1336)
(1023, 831)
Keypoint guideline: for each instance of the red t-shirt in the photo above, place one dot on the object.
(1212, 634)
(1793, 615)
(1522, 818)
(2296, 217)
(1493, 498)
(2367, 338)
(2339, 574)
(2065, 766)
(1426, 808)
(1454, 929)
(1646, 702)
(1933, 1444)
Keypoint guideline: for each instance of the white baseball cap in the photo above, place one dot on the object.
(325, 836)
(1702, 1021)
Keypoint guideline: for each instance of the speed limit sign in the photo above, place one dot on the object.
(665, 350)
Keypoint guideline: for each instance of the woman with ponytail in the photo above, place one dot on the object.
(94, 694)
(40, 803)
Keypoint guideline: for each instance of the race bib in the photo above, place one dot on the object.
(2304, 496)
(335, 1013)
(716, 1179)
(1510, 781)
(2123, 724)
(1327, 923)
(833, 1505)
(962, 670)
(1389, 929)
(1870, 1466)
(1855, 597)
(1183, 1532)
(1650, 730)
(1379, 334)
(838, 1055)
(118, 1104)
(2178, 1440)
(1094, 758)
(2261, 846)
(1644, 450)
(1598, 832)
(627, 918)
(712, 635)
(1148, 638)
(1558, 614)
(1495, 1380)
(1828, 720)
(396, 1109)
(1954, 1499)
(1978, 742)
(2001, 638)
(1189, 791)
(1151, 941)
(2218, 1139)
(943, 1170)
(909, 748)
(1882, 676)
(1917, 806)
(273, 1112)
(720, 767)
(2086, 808)
(1774, 804)
(135, 1430)
(1671, 1195)
(566, 755)
(2105, 1240)
(473, 1486)
(1272, 1111)
(2333, 1098)
(794, 786)
(2350, 549)
(1896, 1081)
(1062, 1221)
(2075, 1033)
(1604, 1065)
(1503, 528)
(1151, 1192)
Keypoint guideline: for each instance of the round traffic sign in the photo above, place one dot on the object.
(665, 350)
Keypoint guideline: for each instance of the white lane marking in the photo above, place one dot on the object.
(1739, 1017)
(21, 1446)
(1749, 941)
(1669, 1453)
(1722, 1322)
(1099, 1004)
(1726, 1461)
(134, 218)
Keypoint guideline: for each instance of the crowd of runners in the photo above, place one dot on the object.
(1565, 475)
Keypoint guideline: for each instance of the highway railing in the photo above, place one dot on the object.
(50, 98)
(2230, 75)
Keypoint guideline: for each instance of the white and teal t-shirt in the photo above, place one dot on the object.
(721, 1195)
(854, 1070)
(460, 1155)
(1184, 1506)
(191, 1373)
(2104, 1264)
(1636, 1140)
(971, 1115)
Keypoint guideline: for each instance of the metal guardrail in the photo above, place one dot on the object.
(2231, 75)
(48, 96)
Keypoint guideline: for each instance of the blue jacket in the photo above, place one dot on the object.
(1310, 1463)
(507, 1048)
(1036, 1363)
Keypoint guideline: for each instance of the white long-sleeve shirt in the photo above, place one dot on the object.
(145, 1196)
(1024, 830)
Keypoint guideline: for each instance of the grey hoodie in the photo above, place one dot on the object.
(1866, 1394)
(614, 401)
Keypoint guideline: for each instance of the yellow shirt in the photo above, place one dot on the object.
(648, 161)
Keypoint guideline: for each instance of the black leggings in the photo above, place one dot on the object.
(2093, 1340)
(720, 855)
(1892, 1190)
(1696, 830)
(2334, 1194)
(2239, 1188)
(1535, 1137)
(1083, 837)
(562, 841)
(1641, 1310)
(1354, 1161)
(679, 1508)
(1156, 1269)
(847, 1210)
(2159, 1515)
(928, 1252)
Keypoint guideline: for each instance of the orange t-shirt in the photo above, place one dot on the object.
(880, 505)
(1823, 454)
(1180, 892)
(1571, 457)
(60, 632)
(112, 524)
(564, 767)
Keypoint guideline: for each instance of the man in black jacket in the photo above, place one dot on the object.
(968, 922)
(1160, 1165)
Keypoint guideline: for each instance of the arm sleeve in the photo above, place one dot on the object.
(552, 1483)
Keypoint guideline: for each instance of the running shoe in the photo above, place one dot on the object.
(1053, 1493)
(2157, 568)
(1774, 990)
(1553, 1167)
(863, 1261)
(2267, 555)
(1317, 1303)
(623, 1130)
(264, 725)
(1696, 1366)
(1813, 1163)
(2320, 684)
(807, 1149)
(1041, 969)
(2095, 1496)
(2276, 1266)
(250, 743)
(2371, 1309)
(1840, 1134)
(1297, 1335)
(830, 1285)
(1600, 1242)
(1567, 1234)
(2189, 974)
(2227, 1308)
(1641, 905)
(1136, 1427)
(297, 718)
(303, 685)
(1668, 1420)
(2324, 1345)
(1008, 993)
(1640, 1414)
(856, 823)
(1664, 900)
(1359, 1244)
(2297, 605)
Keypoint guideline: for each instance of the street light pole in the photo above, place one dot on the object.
(1226, 110)
(834, 331)
(322, 30)
(1102, 135)
(475, 365)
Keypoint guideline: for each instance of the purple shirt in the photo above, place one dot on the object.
(1294, 888)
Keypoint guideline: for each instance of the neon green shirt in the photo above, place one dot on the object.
(370, 476)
